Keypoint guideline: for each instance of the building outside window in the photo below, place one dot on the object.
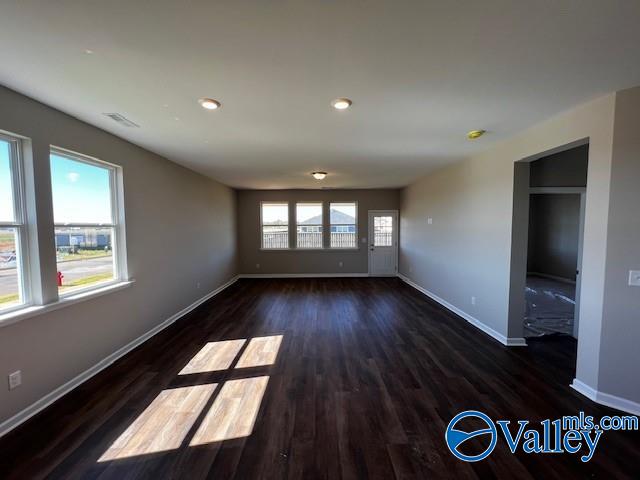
(343, 220)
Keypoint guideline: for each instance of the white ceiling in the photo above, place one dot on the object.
(420, 73)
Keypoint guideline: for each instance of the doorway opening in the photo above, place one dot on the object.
(557, 189)
(547, 240)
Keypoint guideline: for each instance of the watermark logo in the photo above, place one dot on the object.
(576, 434)
(456, 437)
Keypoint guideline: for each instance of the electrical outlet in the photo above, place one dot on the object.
(15, 379)
(473, 300)
(258, 266)
(198, 285)
(340, 264)
(430, 221)
(634, 278)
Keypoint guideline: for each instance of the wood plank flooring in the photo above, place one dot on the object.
(311, 378)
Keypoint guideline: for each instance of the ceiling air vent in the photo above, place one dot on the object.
(122, 120)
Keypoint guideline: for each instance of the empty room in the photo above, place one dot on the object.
(319, 240)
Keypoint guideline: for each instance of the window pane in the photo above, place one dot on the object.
(383, 231)
(275, 225)
(6, 188)
(309, 225)
(343, 225)
(9, 279)
(81, 192)
(84, 257)
(275, 237)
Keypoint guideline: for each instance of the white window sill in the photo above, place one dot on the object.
(335, 249)
(29, 311)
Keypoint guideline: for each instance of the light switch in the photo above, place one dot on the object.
(634, 278)
(430, 221)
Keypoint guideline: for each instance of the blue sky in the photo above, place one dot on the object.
(279, 212)
(6, 209)
(80, 191)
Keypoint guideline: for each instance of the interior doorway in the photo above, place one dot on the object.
(383, 242)
(547, 243)
(556, 220)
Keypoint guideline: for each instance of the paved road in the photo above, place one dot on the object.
(72, 270)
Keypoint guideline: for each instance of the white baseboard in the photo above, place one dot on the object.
(44, 402)
(606, 398)
(302, 275)
(509, 342)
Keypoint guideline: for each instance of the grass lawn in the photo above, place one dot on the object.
(81, 282)
(7, 242)
(11, 298)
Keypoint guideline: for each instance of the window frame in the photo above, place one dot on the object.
(19, 223)
(355, 223)
(261, 229)
(321, 224)
(116, 198)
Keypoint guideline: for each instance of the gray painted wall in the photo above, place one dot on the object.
(564, 169)
(619, 352)
(296, 261)
(180, 231)
(554, 221)
(467, 252)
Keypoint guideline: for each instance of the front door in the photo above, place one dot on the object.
(383, 242)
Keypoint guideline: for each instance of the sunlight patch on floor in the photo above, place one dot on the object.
(261, 351)
(213, 357)
(234, 411)
(163, 425)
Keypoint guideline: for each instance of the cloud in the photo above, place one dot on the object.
(73, 176)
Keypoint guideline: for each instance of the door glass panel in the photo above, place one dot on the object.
(383, 231)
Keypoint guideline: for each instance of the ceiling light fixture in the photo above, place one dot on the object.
(319, 175)
(341, 103)
(209, 103)
(473, 134)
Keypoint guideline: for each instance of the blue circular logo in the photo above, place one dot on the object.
(455, 437)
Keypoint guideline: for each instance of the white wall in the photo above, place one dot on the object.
(467, 250)
(180, 231)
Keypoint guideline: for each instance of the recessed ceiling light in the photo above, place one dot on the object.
(473, 134)
(341, 103)
(209, 103)
(319, 175)
(88, 51)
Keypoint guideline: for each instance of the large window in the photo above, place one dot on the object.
(275, 225)
(309, 225)
(343, 219)
(86, 217)
(13, 284)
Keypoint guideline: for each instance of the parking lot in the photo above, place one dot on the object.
(73, 271)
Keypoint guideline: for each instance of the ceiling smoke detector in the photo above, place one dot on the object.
(473, 134)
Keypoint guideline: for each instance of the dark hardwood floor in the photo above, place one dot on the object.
(367, 376)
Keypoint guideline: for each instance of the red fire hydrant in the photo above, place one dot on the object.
(60, 277)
